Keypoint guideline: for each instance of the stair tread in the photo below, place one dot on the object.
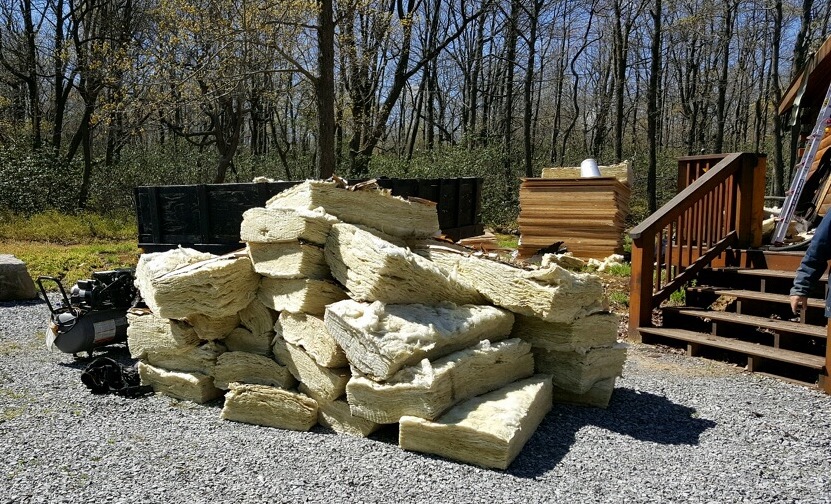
(756, 295)
(778, 354)
(767, 323)
(774, 273)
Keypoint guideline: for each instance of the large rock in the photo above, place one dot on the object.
(276, 225)
(309, 333)
(428, 389)
(578, 372)
(324, 383)
(15, 282)
(373, 208)
(336, 415)
(244, 367)
(379, 339)
(598, 330)
(373, 268)
(488, 430)
(196, 387)
(553, 294)
(269, 406)
(217, 287)
(288, 260)
(299, 295)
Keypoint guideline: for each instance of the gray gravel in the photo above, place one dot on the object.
(678, 430)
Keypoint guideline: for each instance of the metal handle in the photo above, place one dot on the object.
(46, 298)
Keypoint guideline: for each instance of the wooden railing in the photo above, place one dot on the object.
(719, 205)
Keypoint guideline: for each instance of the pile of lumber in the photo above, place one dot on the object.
(586, 214)
(342, 310)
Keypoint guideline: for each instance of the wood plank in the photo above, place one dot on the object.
(621, 171)
(750, 320)
(789, 356)
(772, 273)
(756, 296)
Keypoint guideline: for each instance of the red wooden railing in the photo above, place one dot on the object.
(719, 205)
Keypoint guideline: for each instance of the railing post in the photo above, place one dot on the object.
(641, 285)
(750, 199)
(825, 376)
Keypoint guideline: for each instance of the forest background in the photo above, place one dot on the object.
(100, 96)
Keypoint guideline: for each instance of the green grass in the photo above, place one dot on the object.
(11, 413)
(69, 247)
(70, 263)
(507, 241)
(621, 270)
(678, 298)
(618, 298)
(54, 227)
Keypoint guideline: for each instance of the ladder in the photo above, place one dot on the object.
(802, 169)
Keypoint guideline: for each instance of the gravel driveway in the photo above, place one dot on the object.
(678, 430)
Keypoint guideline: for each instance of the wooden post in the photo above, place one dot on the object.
(757, 214)
(825, 377)
(744, 202)
(750, 199)
(641, 285)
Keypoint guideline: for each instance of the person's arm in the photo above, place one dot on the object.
(813, 265)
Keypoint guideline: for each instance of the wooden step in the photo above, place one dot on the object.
(771, 273)
(750, 320)
(780, 260)
(751, 349)
(755, 295)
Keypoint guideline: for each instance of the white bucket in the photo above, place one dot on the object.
(588, 168)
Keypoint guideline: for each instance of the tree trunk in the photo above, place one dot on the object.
(529, 89)
(620, 48)
(726, 36)
(85, 138)
(32, 78)
(776, 90)
(508, 104)
(652, 107)
(802, 43)
(325, 90)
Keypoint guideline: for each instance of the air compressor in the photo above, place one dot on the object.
(94, 314)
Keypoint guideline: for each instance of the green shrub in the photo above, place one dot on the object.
(500, 192)
(33, 182)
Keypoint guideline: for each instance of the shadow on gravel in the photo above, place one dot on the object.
(640, 415)
(119, 353)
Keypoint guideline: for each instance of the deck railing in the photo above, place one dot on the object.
(719, 205)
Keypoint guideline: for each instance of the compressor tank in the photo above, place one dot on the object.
(73, 332)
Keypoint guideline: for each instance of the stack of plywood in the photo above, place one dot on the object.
(342, 311)
(587, 214)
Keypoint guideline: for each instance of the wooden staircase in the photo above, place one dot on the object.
(706, 242)
(743, 316)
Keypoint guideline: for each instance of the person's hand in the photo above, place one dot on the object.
(797, 302)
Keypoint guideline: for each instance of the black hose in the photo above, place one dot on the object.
(803, 245)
